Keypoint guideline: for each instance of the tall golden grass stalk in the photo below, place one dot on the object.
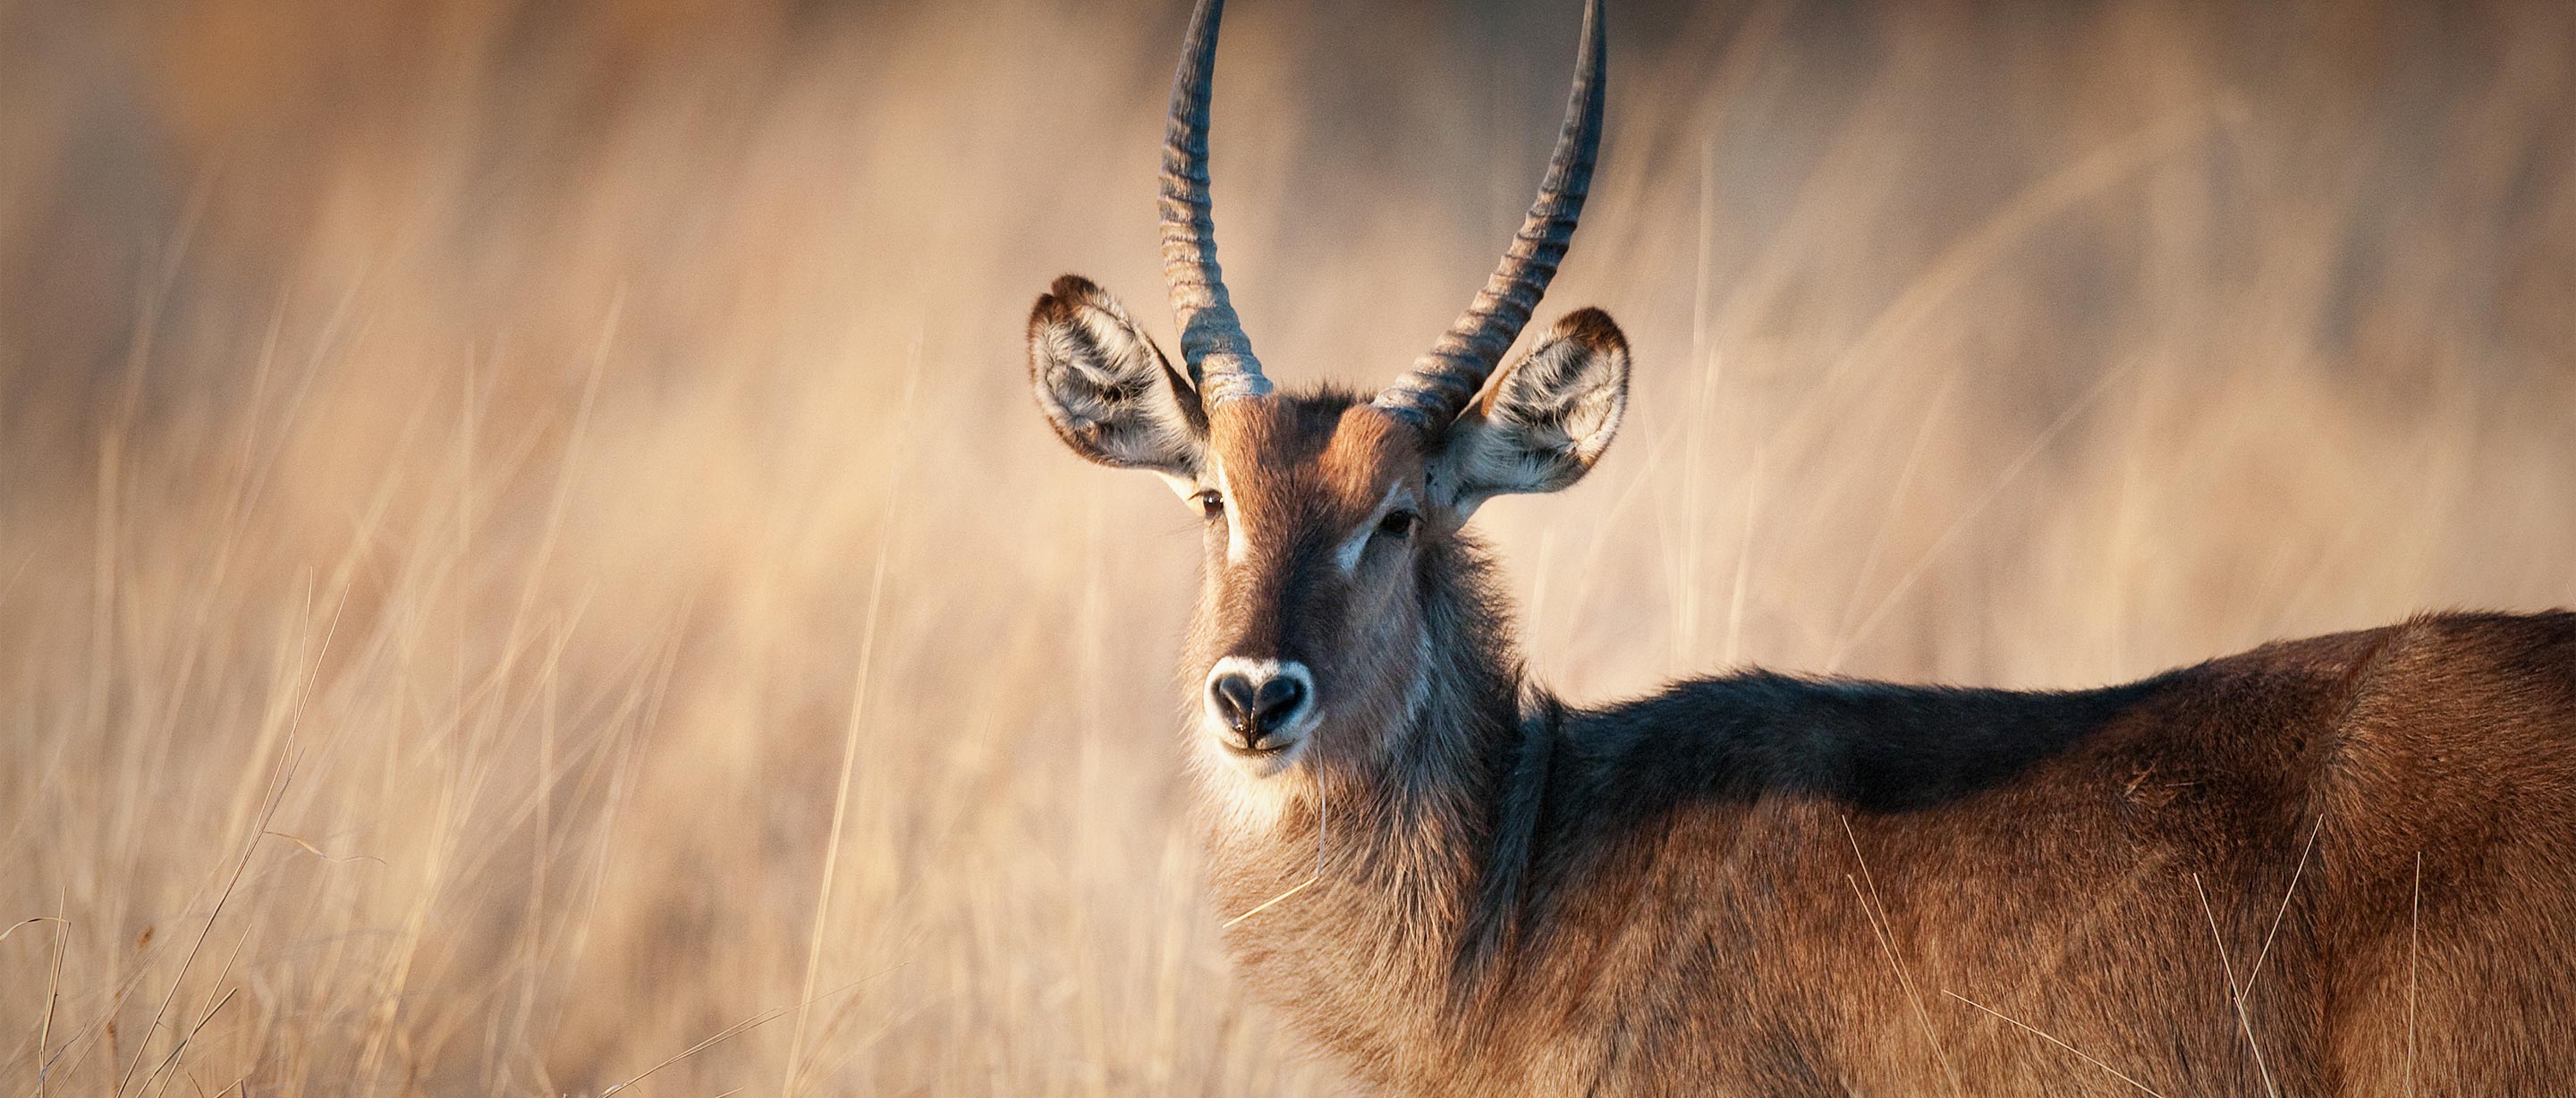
(558, 434)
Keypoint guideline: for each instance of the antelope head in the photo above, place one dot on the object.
(1334, 522)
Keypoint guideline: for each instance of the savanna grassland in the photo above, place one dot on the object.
(526, 556)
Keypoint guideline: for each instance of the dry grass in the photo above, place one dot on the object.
(473, 471)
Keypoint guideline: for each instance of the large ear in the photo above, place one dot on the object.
(1544, 422)
(1105, 386)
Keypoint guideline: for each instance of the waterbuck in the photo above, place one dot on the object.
(2339, 865)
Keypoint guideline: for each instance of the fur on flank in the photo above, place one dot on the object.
(1771, 884)
(2329, 866)
(2202, 882)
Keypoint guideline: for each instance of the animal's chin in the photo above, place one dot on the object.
(1264, 762)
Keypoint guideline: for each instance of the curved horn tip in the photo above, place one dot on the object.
(1443, 381)
(1213, 346)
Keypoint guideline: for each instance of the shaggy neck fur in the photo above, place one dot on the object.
(1427, 802)
(1484, 847)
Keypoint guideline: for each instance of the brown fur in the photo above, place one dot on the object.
(1660, 896)
(2329, 866)
(1762, 884)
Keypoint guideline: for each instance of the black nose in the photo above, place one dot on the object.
(1252, 711)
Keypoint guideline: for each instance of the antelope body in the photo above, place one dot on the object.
(2339, 865)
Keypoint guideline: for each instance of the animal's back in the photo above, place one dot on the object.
(2458, 747)
(2101, 867)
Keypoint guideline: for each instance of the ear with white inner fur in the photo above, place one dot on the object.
(1107, 389)
(1543, 423)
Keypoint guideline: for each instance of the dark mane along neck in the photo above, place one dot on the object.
(1485, 859)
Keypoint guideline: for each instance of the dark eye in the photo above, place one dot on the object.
(1399, 524)
(1211, 504)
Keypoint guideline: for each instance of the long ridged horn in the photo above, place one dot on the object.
(1213, 346)
(1447, 377)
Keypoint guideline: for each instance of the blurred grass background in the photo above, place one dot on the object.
(467, 469)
